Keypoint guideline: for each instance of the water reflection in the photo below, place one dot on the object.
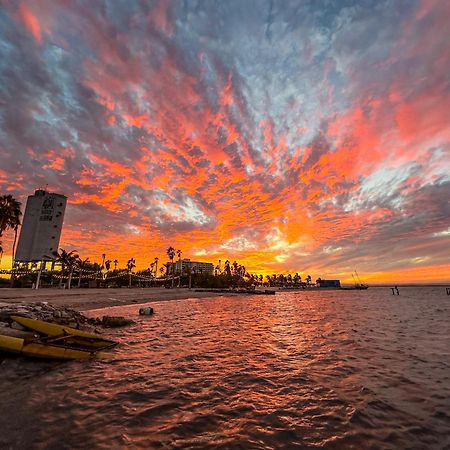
(335, 370)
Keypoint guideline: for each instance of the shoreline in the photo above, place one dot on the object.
(85, 299)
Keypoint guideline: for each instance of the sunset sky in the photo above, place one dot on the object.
(290, 135)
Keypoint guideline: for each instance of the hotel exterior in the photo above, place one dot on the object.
(182, 265)
(41, 227)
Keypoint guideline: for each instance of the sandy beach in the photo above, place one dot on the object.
(86, 299)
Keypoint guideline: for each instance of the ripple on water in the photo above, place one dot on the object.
(334, 370)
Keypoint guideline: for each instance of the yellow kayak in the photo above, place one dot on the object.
(81, 338)
(40, 350)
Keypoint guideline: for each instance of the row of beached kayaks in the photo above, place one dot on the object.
(55, 341)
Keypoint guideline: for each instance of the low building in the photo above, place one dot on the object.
(181, 266)
(329, 283)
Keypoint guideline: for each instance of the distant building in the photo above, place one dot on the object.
(329, 283)
(41, 226)
(182, 265)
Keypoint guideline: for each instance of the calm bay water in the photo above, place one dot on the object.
(333, 370)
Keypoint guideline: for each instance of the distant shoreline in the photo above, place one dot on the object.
(85, 299)
(407, 285)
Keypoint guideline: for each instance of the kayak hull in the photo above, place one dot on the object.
(80, 338)
(39, 350)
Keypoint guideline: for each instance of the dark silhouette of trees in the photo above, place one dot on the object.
(9, 218)
(171, 254)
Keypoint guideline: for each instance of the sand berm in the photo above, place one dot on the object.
(86, 299)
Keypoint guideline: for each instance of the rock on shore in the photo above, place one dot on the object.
(55, 314)
(45, 311)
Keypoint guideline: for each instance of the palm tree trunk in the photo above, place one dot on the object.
(79, 278)
(61, 276)
(38, 279)
(13, 256)
(173, 273)
(52, 268)
(69, 281)
(129, 280)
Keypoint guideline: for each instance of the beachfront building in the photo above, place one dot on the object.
(328, 283)
(41, 227)
(182, 266)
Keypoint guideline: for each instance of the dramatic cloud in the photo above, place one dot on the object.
(307, 136)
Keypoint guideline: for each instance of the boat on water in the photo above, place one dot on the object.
(356, 287)
(358, 284)
(54, 341)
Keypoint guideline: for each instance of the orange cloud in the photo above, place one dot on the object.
(177, 143)
(31, 22)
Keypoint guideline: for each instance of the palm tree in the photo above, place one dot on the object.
(189, 274)
(131, 264)
(108, 264)
(179, 252)
(171, 254)
(66, 259)
(71, 264)
(227, 268)
(56, 258)
(81, 263)
(156, 266)
(9, 218)
(115, 262)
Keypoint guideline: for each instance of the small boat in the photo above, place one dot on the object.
(36, 348)
(358, 283)
(61, 333)
(354, 288)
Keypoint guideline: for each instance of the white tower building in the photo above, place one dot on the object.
(41, 226)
